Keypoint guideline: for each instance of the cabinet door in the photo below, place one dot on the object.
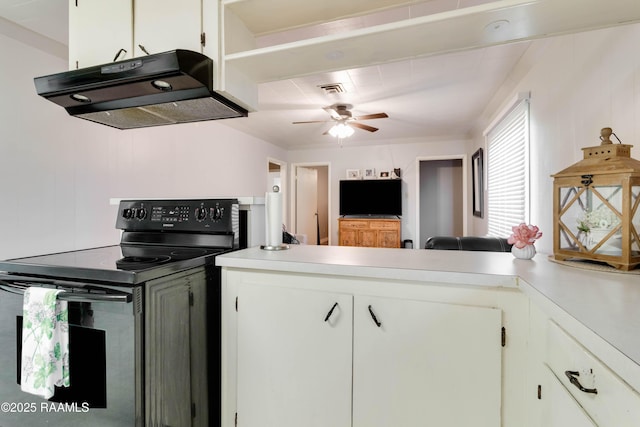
(294, 361)
(168, 361)
(561, 409)
(163, 25)
(614, 404)
(98, 29)
(368, 238)
(419, 363)
(348, 237)
(388, 239)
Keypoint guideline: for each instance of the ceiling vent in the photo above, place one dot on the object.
(332, 88)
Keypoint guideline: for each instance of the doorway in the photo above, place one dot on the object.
(442, 198)
(310, 204)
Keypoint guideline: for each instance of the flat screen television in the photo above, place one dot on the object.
(371, 197)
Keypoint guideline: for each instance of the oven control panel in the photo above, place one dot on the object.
(195, 215)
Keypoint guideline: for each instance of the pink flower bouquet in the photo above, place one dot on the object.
(523, 235)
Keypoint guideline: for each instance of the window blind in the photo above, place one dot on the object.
(508, 172)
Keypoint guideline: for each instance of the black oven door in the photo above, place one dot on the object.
(105, 359)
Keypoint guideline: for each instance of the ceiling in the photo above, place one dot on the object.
(428, 99)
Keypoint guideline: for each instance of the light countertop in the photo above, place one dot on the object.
(607, 303)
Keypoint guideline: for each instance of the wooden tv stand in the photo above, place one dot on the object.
(369, 232)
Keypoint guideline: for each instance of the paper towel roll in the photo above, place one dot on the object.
(273, 215)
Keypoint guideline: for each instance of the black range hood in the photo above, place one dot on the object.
(160, 89)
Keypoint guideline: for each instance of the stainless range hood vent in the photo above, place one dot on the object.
(161, 89)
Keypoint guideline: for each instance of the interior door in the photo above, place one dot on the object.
(307, 203)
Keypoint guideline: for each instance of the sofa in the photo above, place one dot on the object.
(468, 243)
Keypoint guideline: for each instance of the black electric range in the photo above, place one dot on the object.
(159, 237)
(112, 293)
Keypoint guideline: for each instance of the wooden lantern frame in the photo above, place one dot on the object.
(606, 166)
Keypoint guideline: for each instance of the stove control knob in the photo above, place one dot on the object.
(141, 213)
(201, 214)
(127, 213)
(216, 213)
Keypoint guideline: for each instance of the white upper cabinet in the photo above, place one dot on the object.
(163, 25)
(104, 31)
(99, 32)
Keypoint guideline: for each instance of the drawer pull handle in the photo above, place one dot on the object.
(573, 380)
(373, 316)
(326, 319)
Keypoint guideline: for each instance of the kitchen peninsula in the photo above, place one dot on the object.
(379, 337)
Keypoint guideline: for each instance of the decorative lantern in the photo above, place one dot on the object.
(595, 206)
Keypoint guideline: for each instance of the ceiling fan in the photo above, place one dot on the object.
(341, 115)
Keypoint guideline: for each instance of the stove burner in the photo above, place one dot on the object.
(138, 263)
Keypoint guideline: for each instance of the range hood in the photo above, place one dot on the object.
(160, 89)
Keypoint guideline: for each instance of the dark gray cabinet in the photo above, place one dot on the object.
(176, 351)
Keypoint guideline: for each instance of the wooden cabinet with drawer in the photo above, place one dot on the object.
(374, 232)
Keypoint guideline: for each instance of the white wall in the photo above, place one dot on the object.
(382, 158)
(579, 84)
(57, 173)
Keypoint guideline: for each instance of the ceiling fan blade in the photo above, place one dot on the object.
(372, 116)
(363, 127)
(312, 121)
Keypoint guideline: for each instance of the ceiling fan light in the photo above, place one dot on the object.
(341, 130)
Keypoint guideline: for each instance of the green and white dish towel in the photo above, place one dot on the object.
(45, 342)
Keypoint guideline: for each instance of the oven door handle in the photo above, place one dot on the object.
(29, 280)
(72, 296)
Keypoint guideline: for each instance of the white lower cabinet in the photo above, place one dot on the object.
(330, 359)
(605, 397)
(562, 410)
(575, 387)
(294, 368)
(418, 363)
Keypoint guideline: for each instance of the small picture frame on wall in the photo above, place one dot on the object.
(353, 173)
(369, 173)
(384, 174)
(478, 184)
